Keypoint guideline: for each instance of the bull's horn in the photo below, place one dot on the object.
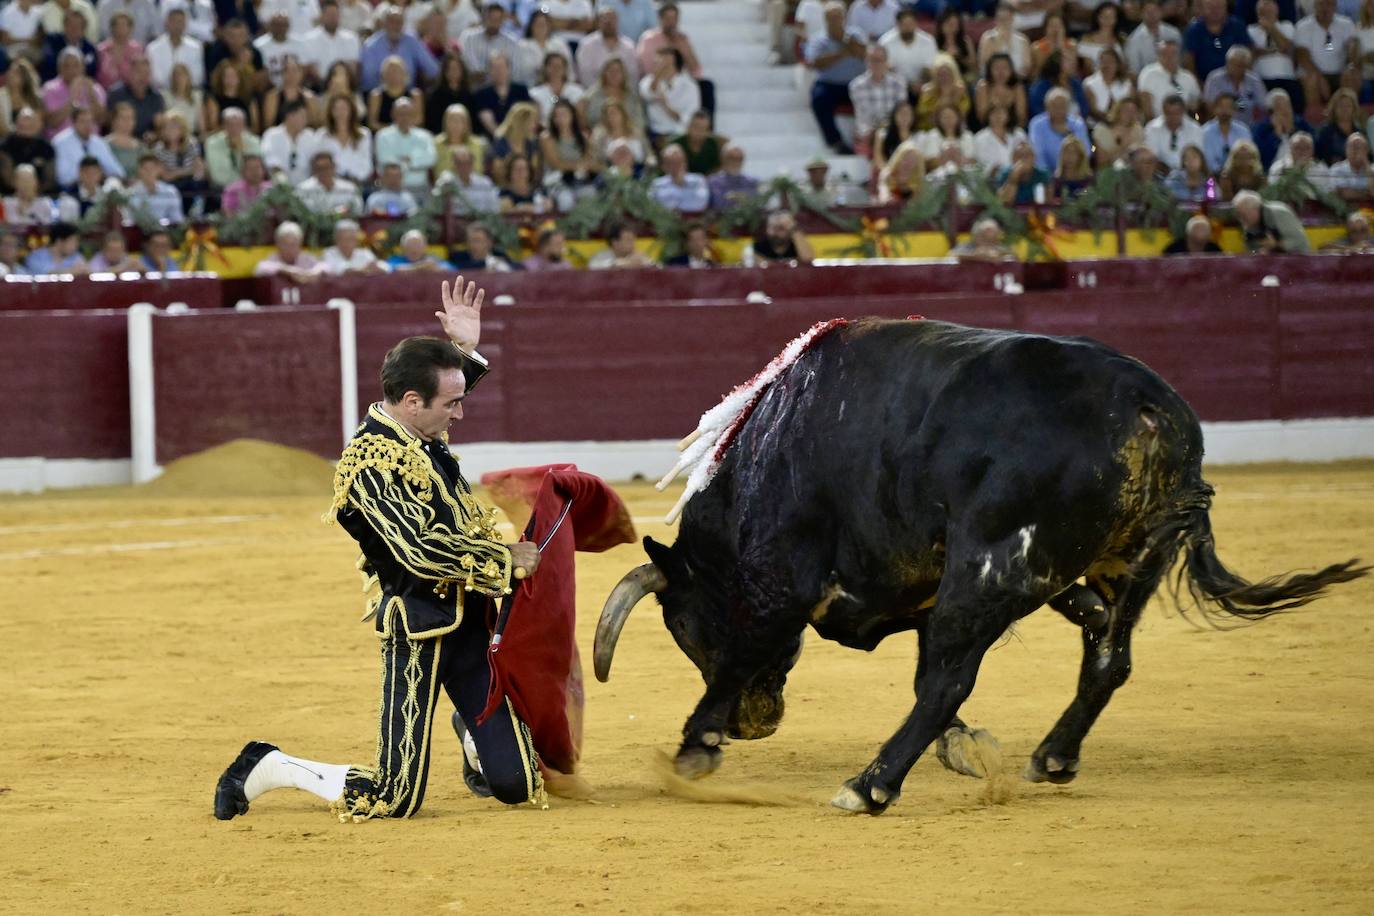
(637, 583)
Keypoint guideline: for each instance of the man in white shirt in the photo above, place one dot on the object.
(289, 147)
(346, 256)
(21, 24)
(329, 42)
(1272, 39)
(1352, 178)
(874, 93)
(1168, 134)
(303, 14)
(910, 49)
(873, 18)
(678, 188)
(55, 16)
(200, 19)
(1142, 47)
(276, 45)
(670, 96)
(1167, 77)
(409, 146)
(325, 192)
(479, 194)
(571, 19)
(142, 15)
(1324, 45)
(175, 47)
(594, 50)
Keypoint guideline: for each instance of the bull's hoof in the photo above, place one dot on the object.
(860, 797)
(970, 751)
(697, 761)
(1051, 768)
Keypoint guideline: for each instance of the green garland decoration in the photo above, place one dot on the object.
(622, 198)
(1294, 187)
(279, 203)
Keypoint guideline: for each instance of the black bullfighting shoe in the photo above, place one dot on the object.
(229, 798)
(472, 773)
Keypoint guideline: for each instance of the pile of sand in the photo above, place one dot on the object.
(246, 467)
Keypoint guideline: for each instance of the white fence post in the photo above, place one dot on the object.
(348, 364)
(142, 415)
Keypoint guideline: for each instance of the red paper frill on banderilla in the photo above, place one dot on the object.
(536, 664)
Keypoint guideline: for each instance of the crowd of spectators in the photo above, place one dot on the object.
(1203, 98)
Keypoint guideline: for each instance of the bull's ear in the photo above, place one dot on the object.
(662, 556)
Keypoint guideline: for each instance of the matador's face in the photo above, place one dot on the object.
(432, 420)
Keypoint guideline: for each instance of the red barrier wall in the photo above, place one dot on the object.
(201, 291)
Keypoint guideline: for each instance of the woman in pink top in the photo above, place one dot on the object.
(118, 52)
(251, 184)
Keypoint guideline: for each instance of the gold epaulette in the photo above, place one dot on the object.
(370, 450)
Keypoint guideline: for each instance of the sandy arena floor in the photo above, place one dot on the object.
(149, 636)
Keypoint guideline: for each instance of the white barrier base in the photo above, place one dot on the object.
(1246, 442)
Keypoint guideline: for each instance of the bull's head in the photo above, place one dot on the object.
(697, 618)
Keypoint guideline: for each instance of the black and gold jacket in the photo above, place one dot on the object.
(426, 541)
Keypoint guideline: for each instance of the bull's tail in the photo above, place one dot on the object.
(1217, 591)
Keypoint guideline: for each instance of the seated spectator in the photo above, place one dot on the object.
(147, 103)
(993, 144)
(1272, 136)
(1000, 86)
(91, 186)
(1103, 37)
(949, 126)
(408, 145)
(1052, 76)
(1358, 239)
(125, 144)
(1142, 46)
(1107, 85)
(1342, 120)
(532, 54)
(240, 193)
(1073, 174)
(606, 43)
(235, 45)
(414, 255)
(904, 173)
(620, 163)
(28, 206)
(452, 89)
(818, 187)
(620, 251)
(62, 254)
(554, 86)
(229, 88)
(520, 194)
(900, 127)
(949, 162)
(330, 42)
(174, 46)
(836, 55)
(616, 126)
(347, 140)
(19, 89)
(874, 93)
(392, 40)
(946, 87)
(872, 18)
(1055, 40)
(480, 42)
(324, 192)
(1272, 39)
(1209, 36)
(1143, 165)
(290, 259)
(1197, 239)
(343, 81)
(550, 252)
(1352, 179)
(479, 252)
(178, 152)
(10, 261)
(782, 242)
(1024, 181)
(118, 52)
(78, 141)
(984, 243)
(1168, 134)
(227, 150)
(71, 36)
(1302, 154)
(703, 148)
(157, 253)
(391, 198)
(287, 148)
(69, 90)
(346, 256)
(696, 249)
(1270, 226)
(613, 89)
(457, 134)
(477, 191)
(678, 188)
(1242, 171)
(1121, 131)
(1190, 182)
(951, 39)
(564, 149)
(730, 185)
(1236, 79)
(434, 35)
(1222, 132)
(1166, 77)
(113, 256)
(518, 134)
(394, 87)
(670, 97)
(293, 89)
(1321, 44)
(185, 98)
(1049, 128)
(1004, 38)
(494, 102)
(669, 35)
(23, 32)
(153, 196)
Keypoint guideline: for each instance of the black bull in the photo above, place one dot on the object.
(919, 475)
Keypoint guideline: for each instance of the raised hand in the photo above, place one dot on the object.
(462, 314)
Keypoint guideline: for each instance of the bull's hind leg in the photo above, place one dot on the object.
(967, 619)
(1106, 665)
